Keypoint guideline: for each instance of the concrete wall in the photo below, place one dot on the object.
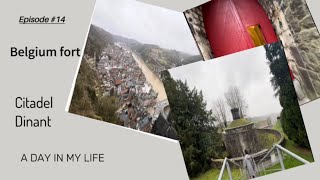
(195, 21)
(295, 27)
(234, 143)
(238, 139)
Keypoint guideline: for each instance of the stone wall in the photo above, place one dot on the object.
(195, 21)
(296, 29)
(238, 139)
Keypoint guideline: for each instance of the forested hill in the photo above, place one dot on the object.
(98, 38)
(87, 99)
(155, 56)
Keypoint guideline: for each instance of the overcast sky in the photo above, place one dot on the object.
(248, 70)
(145, 23)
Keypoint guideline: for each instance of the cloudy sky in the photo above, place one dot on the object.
(145, 23)
(248, 70)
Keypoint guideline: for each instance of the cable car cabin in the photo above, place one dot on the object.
(235, 25)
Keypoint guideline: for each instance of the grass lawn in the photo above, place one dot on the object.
(290, 162)
(214, 174)
(267, 140)
(238, 122)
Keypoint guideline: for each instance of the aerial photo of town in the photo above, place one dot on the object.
(124, 75)
(119, 80)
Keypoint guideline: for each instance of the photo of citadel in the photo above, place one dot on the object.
(222, 27)
(119, 77)
(237, 116)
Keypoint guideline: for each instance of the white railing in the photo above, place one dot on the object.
(278, 149)
(261, 167)
(227, 165)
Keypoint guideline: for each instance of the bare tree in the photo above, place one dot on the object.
(219, 112)
(235, 99)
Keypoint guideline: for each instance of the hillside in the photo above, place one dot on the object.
(157, 58)
(84, 96)
(87, 99)
(192, 59)
(97, 39)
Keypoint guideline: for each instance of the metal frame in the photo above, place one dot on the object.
(260, 165)
(222, 169)
(227, 165)
(279, 149)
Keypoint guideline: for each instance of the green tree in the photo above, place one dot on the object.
(291, 118)
(87, 100)
(107, 109)
(97, 39)
(194, 124)
(84, 96)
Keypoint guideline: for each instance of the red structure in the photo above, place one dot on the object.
(227, 22)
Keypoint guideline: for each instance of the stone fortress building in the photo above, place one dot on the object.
(244, 135)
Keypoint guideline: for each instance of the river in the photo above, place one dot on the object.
(152, 78)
